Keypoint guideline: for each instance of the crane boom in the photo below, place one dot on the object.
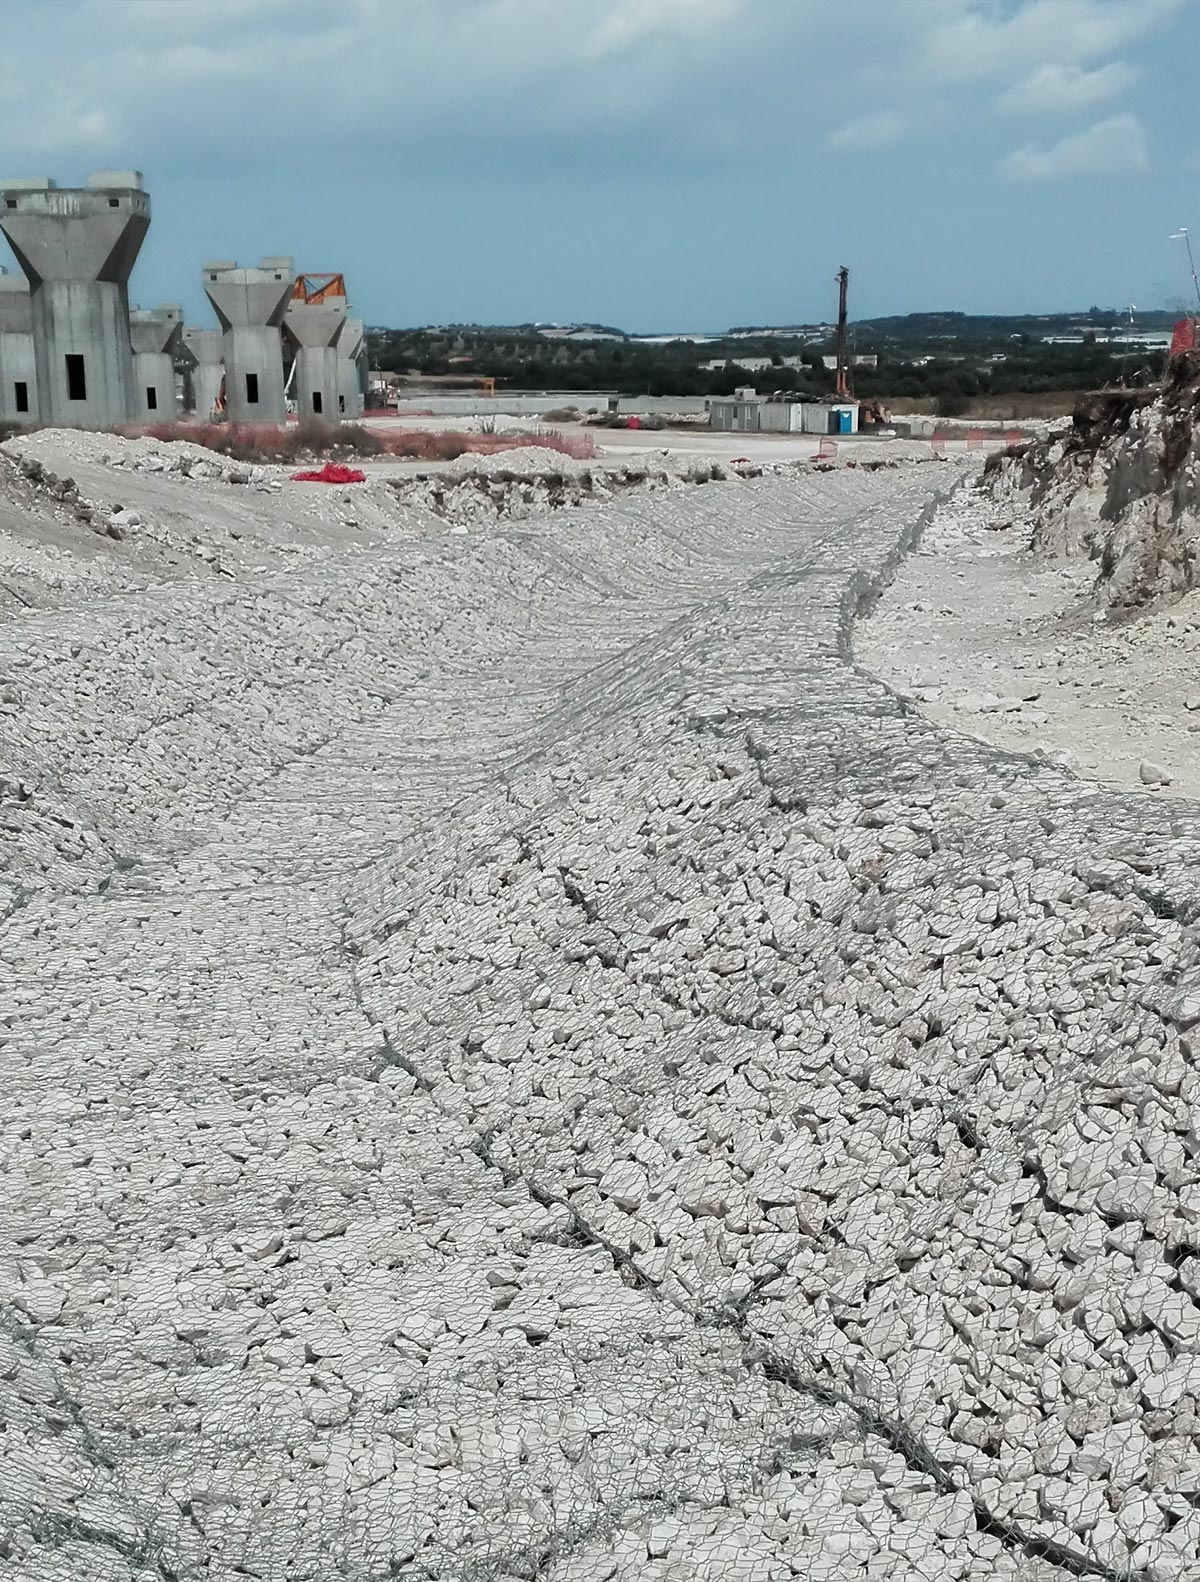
(843, 368)
(312, 289)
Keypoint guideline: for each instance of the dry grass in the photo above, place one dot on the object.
(445, 445)
(1047, 403)
(268, 442)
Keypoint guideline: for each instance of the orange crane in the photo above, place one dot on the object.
(318, 288)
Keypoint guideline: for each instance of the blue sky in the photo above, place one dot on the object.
(658, 164)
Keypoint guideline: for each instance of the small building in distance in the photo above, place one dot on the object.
(745, 412)
(736, 414)
(859, 360)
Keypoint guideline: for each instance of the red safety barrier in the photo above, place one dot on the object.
(1013, 436)
(937, 443)
(976, 438)
(827, 449)
(331, 472)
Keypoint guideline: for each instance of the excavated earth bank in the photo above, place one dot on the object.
(1122, 484)
(521, 1060)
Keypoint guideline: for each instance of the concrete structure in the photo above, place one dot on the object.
(352, 370)
(524, 404)
(746, 413)
(18, 369)
(154, 334)
(250, 304)
(206, 351)
(781, 417)
(736, 414)
(77, 246)
(753, 365)
(315, 330)
(862, 360)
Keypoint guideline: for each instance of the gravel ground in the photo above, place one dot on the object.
(522, 1058)
(1014, 648)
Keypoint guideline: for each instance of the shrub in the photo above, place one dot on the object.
(446, 444)
(266, 442)
(951, 402)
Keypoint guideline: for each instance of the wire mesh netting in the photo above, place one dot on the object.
(522, 1062)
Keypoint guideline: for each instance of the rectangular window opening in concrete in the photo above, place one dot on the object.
(317, 403)
(341, 403)
(252, 389)
(21, 392)
(151, 399)
(10, 203)
(76, 377)
(114, 203)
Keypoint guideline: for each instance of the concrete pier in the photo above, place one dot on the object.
(315, 330)
(154, 334)
(351, 370)
(18, 369)
(206, 348)
(77, 247)
(250, 304)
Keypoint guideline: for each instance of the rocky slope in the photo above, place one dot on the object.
(520, 1060)
(1121, 485)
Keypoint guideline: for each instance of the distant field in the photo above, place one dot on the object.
(1046, 403)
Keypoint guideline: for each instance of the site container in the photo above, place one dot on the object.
(734, 416)
(782, 417)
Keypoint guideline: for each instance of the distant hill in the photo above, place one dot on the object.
(991, 326)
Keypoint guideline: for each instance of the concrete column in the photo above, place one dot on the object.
(207, 351)
(77, 247)
(351, 391)
(315, 329)
(18, 367)
(154, 333)
(250, 304)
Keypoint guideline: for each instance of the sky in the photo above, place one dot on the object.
(655, 164)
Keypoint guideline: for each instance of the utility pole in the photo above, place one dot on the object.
(843, 374)
(1181, 235)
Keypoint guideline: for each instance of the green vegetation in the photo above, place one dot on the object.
(945, 358)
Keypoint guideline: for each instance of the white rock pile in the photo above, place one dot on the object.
(521, 1061)
(140, 455)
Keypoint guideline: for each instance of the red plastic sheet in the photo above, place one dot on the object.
(1184, 339)
(331, 472)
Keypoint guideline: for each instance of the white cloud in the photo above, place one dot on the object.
(626, 24)
(1061, 89)
(975, 39)
(230, 84)
(1113, 147)
(868, 131)
(224, 75)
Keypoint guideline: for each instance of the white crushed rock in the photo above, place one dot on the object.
(522, 1059)
(1015, 647)
(520, 460)
(56, 447)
